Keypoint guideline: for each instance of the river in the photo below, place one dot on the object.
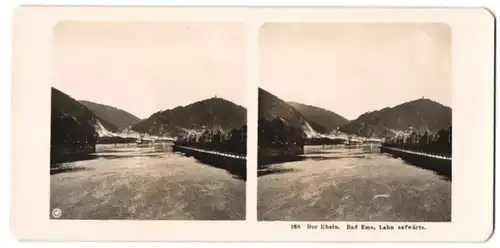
(339, 184)
(144, 183)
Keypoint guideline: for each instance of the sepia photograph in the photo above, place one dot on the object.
(148, 121)
(354, 122)
(252, 124)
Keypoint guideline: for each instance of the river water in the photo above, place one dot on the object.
(339, 184)
(145, 183)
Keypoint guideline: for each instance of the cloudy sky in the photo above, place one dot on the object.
(352, 68)
(145, 67)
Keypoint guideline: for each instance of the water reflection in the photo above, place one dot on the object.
(146, 183)
(133, 151)
(356, 184)
(63, 169)
(362, 154)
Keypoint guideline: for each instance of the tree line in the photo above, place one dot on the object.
(233, 141)
(439, 142)
(67, 132)
(277, 134)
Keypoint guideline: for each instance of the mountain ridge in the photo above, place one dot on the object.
(73, 121)
(113, 115)
(272, 107)
(214, 113)
(421, 114)
(324, 117)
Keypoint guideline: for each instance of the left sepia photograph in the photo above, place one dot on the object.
(148, 121)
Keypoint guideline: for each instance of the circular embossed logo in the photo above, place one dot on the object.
(56, 213)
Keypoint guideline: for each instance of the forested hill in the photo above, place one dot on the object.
(118, 117)
(213, 113)
(273, 108)
(72, 122)
(422, 114)
(327, 119)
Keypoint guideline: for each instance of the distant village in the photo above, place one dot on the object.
(128, 136)
(233, 141)
(276, 137)
(438, 142)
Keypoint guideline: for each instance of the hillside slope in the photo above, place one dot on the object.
(73, 123)
(272, 107)
(213, 113)
(115, 116)
(327, 119)
(422, 114)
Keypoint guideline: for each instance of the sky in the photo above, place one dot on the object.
(144, 68)
(353, 68)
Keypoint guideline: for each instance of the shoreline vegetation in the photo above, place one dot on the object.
(77, 127)
(232, 142)
(279, 142)
(438, 143)
(76, 130)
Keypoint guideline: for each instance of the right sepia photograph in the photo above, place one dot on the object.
(354, 122)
